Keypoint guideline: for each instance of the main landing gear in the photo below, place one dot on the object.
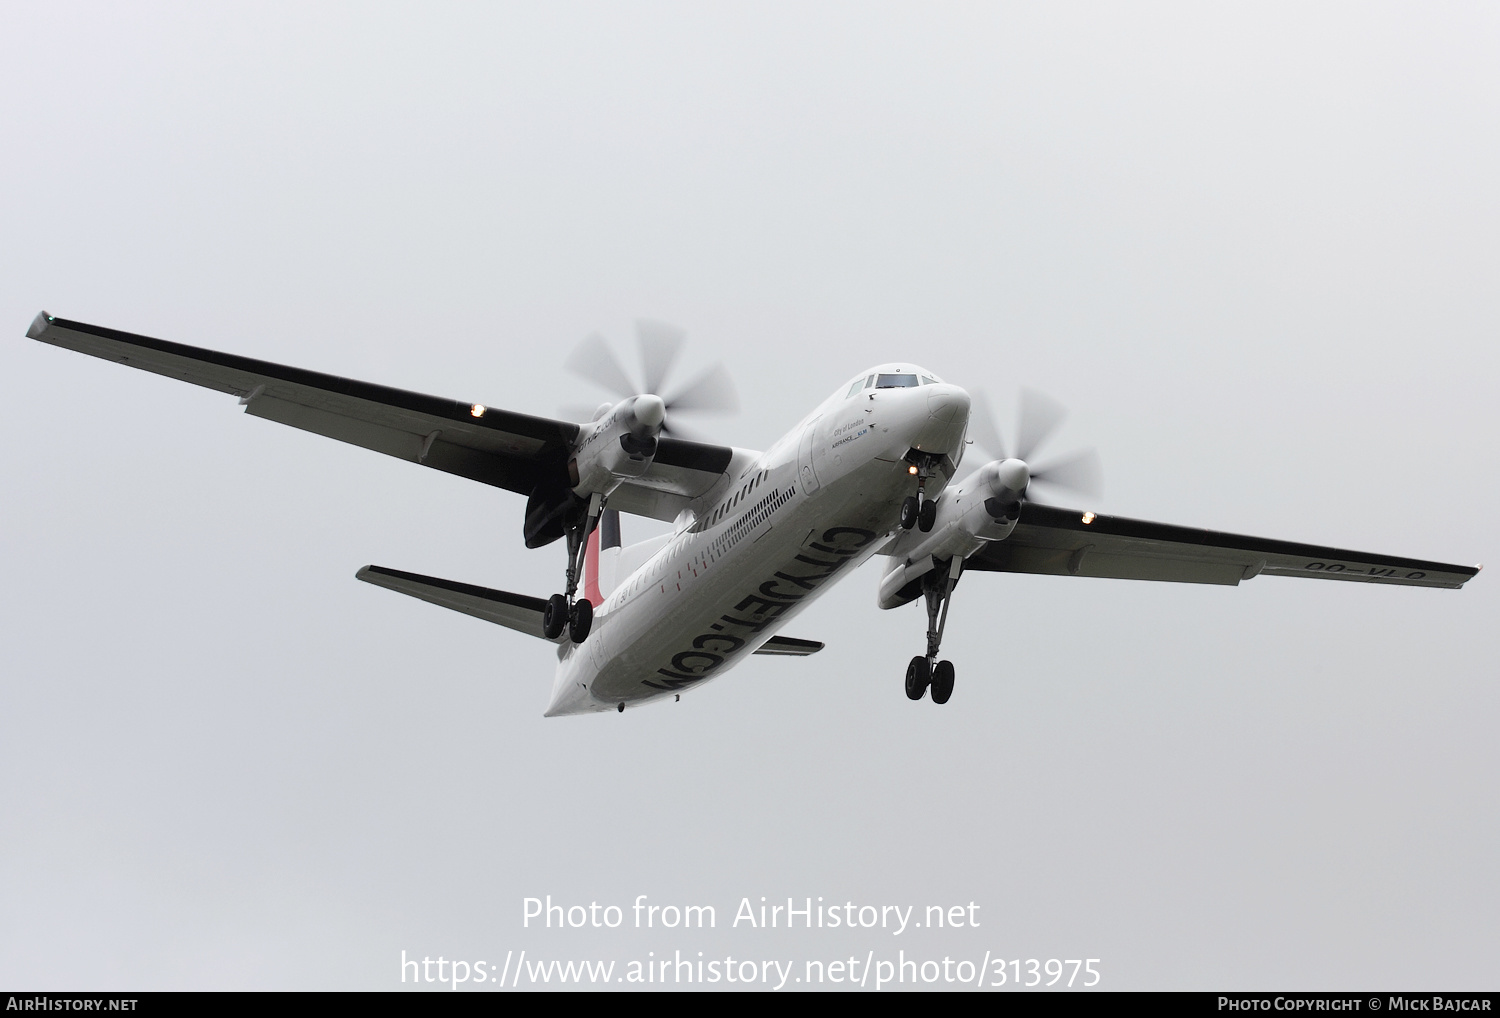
(918, 510)
(576, 618)
(564, 611)
(928, 672)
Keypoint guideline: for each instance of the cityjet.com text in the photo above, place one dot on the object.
(867, 972)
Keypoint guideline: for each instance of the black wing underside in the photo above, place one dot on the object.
(508, 450)
(1059, 542)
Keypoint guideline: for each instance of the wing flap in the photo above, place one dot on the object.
(1066, 542)
(513, 611)
(1086, 559)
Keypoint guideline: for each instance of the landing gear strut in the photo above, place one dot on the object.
(564, 611)
(918, 510)
(928, 672)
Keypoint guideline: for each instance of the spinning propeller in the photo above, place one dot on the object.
(710, 392)
(1041, 415)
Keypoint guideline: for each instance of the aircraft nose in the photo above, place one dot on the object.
(942, 430)
(947, 404)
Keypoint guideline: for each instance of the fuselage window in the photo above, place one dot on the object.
(896, 381)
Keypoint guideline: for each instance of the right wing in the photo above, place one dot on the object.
(508, 450)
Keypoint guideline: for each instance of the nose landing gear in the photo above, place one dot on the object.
(924, 673)
(911, 508)
(918, 510)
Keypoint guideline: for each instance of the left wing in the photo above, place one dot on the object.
(1067, 542)
(508, 450)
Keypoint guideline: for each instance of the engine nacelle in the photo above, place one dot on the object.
(983, 508)
(619, 445)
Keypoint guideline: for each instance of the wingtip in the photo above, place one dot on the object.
(363, 573)
(39, 325)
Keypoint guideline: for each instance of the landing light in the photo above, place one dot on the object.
(1088, 518)
(477, 410)
(912, 469)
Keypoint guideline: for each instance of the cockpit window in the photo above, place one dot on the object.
(859, 383)
(928, 380)
(896, 381)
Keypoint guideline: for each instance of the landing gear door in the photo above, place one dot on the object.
(805, 469)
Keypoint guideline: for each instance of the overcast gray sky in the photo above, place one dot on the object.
(1253, 248)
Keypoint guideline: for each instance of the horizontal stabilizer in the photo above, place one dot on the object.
(513, 611)
(786, 646)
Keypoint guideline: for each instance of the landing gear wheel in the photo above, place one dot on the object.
(583, 618)
(927, 516)
(555, 616)
(910, 510)
(942, 682)
(918, 675)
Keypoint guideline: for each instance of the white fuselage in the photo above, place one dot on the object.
(751, 554)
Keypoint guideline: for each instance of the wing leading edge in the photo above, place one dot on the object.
(1067, 542)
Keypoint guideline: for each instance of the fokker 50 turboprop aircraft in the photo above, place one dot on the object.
(756, 536)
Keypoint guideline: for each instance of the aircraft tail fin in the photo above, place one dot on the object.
(513, 611)
(601, 559)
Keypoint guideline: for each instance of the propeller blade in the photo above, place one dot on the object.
(582, 413)
(982, 428)
(1040, 416)
(671, 430)
(711, 391)
(593, 360)
(1082, 472)
(659, 343)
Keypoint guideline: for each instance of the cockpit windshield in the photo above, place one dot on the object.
(889, 380)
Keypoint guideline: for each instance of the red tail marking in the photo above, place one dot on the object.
(591, 571)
